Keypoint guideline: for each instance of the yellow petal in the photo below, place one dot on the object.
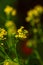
(14, 12)
(8, 9)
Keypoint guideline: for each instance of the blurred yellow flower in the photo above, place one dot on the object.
(42, 9)
(39, 8)
(11, 31)
(36, 20)
(30, 13)
(21, 36)
(19, 30)
(29, 43)
(14, 12)
(35, 12)
(2, 33)
(10, 63)
(8, 9)
(9, 23)
(28, 19)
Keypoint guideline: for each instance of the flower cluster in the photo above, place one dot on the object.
(21, 33)
(34, 14)
(18, 44)
(2, 33)
(31, 43)
(11, 27)
(9, 10)
(9, 62)
(9, 24)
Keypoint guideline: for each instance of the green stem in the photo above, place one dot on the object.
(6, 55)
(38, 57)
(17, 55)
(8, 17)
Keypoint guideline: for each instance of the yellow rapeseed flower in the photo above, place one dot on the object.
(10, 63)
(36, 20)
(27, 19)
(14, 12)
(35, 12)
(21, 33)
(42, 9)
(9, 23)
(30, 13)
(29, 43)
(39, 8)
(22, 36)
(2, 33)
(8, 9)
(22, 27)
(11, 31)
(20, 30)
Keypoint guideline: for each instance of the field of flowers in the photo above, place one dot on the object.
(19, 46)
